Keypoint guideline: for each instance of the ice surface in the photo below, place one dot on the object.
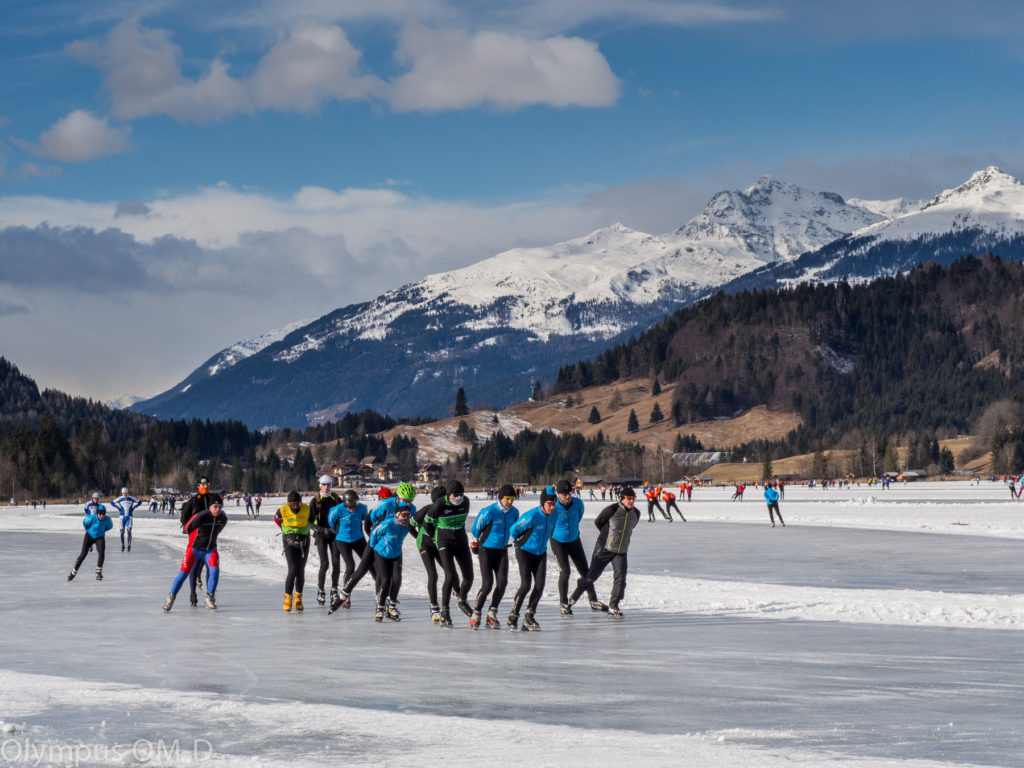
(878, 628)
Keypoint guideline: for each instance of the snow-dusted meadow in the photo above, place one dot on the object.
(878, 628)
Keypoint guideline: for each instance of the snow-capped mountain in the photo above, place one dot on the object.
(985, 213)
(497, 325)
(773, 221)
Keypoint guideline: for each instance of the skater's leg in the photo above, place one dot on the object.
(560, 551)
(579, 560)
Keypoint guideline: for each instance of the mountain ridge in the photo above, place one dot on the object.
(495, 326)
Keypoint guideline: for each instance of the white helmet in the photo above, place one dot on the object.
(326, 480)
(95, 497)
(124, 491)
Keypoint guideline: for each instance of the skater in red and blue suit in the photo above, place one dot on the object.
(203, 529)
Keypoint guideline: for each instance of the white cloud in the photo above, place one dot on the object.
(313, 64)
(142, 71)
(316, 63)
(456, 70)
(78, 137)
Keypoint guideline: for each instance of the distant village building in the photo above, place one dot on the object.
(430, 473)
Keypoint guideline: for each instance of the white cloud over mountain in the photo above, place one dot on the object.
(315, 63)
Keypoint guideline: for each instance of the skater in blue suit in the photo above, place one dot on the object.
(126, 505)
(492, 529)
(531, 534)
(96, 526)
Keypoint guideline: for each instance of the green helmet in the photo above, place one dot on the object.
(405, 492)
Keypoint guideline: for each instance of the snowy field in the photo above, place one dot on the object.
(878, 628)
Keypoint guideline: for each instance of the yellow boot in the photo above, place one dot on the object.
(287, 602)
(298, 601)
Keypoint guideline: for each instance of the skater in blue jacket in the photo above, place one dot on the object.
(491, 531)
(346, 521)
(96, 525)
(566, 546)
(386, 545)
(531, 533)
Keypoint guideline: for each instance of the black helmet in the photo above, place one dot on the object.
(350, 497)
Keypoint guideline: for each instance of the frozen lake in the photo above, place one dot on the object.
(877, 628)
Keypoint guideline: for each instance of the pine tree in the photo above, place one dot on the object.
(595, 416)
(655, 388)
(634, 423)
(656, 414)
(460, 409)
(766, 467)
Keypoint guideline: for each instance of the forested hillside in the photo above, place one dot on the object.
(55, 445)
(922, 352)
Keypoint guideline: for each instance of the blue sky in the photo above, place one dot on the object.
(271, 160)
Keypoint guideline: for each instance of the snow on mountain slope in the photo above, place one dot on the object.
(243, 349)
(989, 200)
(773, 221)
(985, 213)
(531, 289)
(887, 209)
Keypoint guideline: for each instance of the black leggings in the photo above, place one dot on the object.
(389, 576)
(564, 552)
(773, 506)
(87, 544)
(431, 559)
(651, 504)
(531, 568)
(296, 557)
(386, 588)
(493, 570)
(670, 505)
(328, 556)
(344, 550)
(453, 547)
(598, 562)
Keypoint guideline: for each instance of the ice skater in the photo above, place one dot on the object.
(386, 545)
(652, 495)
(615, 523)
(429, 555)
(670, 503)
(771, 496)
(320, 507)
(491, 531)
(203, 529)
(126, 505)
(201, 501)
(566, 545)
(346, 521)
(446, 519)
(96, 525)
(293, 520)
(531, 533)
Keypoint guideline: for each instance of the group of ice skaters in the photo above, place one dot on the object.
(370, 541)
(342, 528)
